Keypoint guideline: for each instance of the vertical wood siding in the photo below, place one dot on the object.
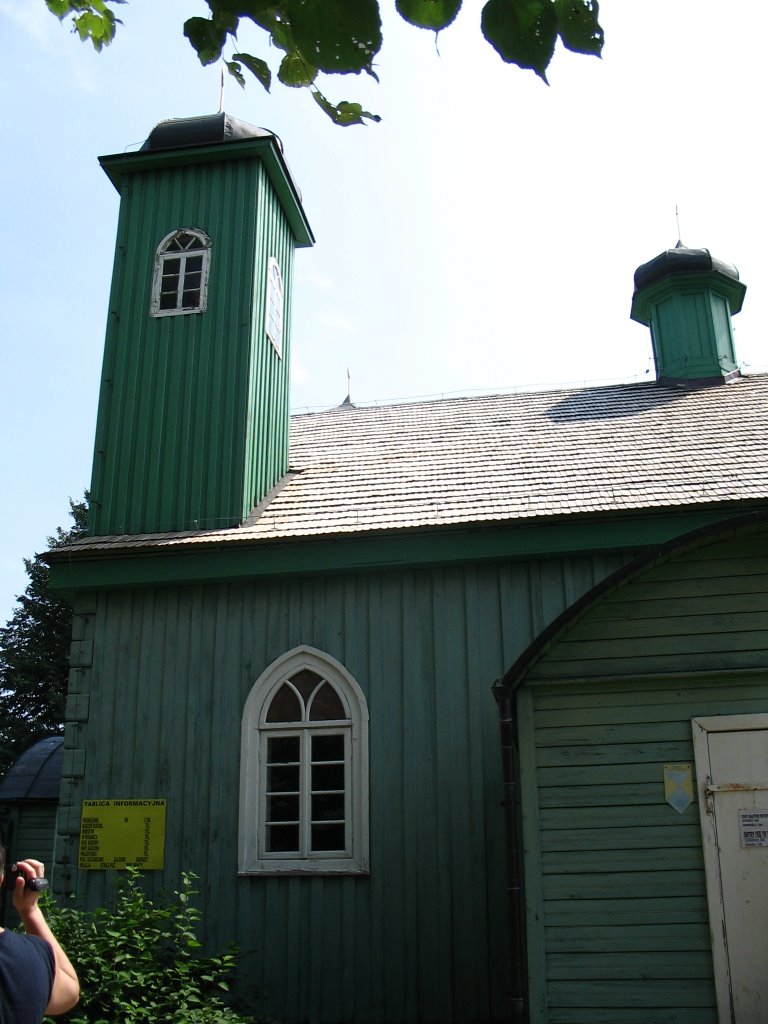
(615, 873)
(424, 938)
(193, 414)
(268, 408)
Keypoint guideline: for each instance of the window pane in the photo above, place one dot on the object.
(283, 839)
(194, 263)
(327, 776)
(283, 778)
(305, 682)
(187, 241)
(283, 808)
(328, 837)
(285, 707)
(168, 301)
(170, 284)
(283, 749)
(326, 705)
(190, 299)
(171, 265)
(328, 748)
(192, 280)
(327, 807)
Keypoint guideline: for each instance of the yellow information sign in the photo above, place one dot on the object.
(118, 833)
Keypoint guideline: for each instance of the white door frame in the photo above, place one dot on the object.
(701, 727)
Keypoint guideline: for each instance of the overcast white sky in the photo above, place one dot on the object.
(483, 237)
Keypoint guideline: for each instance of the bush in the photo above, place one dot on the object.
(140, 962)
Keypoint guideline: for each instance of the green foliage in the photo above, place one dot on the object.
(343, 113)
(34, 655)
(524, 32)
(140, 962)
(91, 19)
(432, 14)
(341, 37)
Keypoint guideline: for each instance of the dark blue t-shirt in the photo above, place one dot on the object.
(26, 978)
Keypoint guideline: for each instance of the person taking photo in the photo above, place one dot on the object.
(36, 976)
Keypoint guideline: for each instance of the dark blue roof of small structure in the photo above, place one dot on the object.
(36, 774)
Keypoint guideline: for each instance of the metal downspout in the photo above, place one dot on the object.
(505, 699)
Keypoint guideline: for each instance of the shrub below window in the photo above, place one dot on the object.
(140, 962)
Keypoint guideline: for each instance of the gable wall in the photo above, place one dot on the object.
(616, 874)
(424, 938)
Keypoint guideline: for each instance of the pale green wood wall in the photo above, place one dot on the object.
(167, 671)
(617, 915)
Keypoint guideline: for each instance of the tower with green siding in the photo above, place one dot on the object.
(193, 415)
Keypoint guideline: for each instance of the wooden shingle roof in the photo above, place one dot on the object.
(498, 458)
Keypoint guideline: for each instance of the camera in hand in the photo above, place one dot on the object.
(31, 884)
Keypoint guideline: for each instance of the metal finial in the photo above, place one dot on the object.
(221, 93)
(348, 403)
(679, 243)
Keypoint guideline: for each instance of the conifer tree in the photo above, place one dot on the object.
(34, 655)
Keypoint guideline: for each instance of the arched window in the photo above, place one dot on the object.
(304, 769)
(274, 316)
(180, 283)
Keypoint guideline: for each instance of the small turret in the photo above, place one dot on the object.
(687, 298)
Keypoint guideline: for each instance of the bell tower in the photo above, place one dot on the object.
(193, 417)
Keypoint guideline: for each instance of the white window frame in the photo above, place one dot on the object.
(253, 857)
(162, 254)
(274, 313)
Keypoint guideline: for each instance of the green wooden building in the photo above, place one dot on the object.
(289, 633)
(29, 800)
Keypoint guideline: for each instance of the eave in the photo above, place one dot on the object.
(126, 567)
(117, 166)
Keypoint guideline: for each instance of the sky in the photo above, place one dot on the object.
(482, 238)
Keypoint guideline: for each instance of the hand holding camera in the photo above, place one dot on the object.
(31, 882)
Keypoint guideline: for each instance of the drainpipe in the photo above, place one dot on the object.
(505, 698)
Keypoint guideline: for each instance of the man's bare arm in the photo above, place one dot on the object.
(66, 987)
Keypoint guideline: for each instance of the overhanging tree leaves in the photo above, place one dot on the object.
(34, 655)
(342, 37)
(91, 19)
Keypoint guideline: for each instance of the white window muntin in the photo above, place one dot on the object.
(274, 310)
(305, 792)
(255, 731)
(182, 289)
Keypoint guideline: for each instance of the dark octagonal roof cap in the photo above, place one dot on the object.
(205, 130)
(35, 774)
(681, 260)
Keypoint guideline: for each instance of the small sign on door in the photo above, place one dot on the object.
(754, 828)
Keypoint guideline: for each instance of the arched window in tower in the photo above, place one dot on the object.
(304, 769)
(274, 317)
(180, 283)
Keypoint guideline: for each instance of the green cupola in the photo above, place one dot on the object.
(193, 417)
(687, 298)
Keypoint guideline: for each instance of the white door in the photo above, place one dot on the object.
(732, 774)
